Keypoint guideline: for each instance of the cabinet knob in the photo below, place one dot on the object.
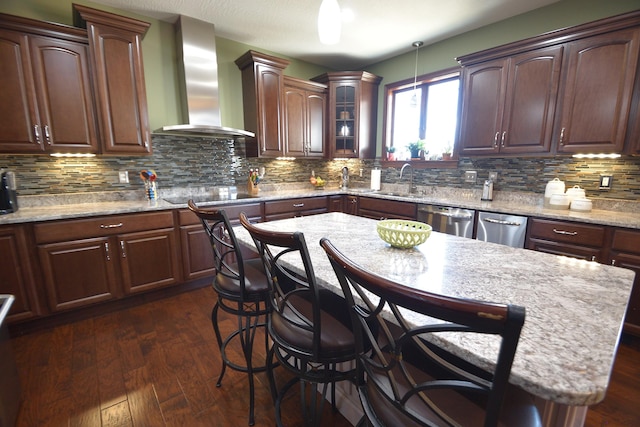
(613, 262)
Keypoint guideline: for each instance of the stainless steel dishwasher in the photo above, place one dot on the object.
(507, 230)
(445, 219)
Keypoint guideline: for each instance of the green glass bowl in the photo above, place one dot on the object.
(404, 234)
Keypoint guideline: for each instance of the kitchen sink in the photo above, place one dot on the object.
(207, 198)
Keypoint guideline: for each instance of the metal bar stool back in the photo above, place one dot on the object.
(309, 326)
(408, 374)
(243, 291)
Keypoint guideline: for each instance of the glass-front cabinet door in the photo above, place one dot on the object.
(345, 117)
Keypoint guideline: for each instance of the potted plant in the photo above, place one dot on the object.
(391, 153)
(446, 153)
(415, 148)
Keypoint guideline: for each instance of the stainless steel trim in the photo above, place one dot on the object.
(198, 69)
(501, 222)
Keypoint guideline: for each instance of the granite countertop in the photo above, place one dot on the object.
(66, 206)
(574, 309)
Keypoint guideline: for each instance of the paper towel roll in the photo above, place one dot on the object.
(375, 179)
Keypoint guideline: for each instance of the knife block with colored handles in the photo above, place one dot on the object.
(252, 188)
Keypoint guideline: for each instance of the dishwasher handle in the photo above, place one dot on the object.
(501, 222)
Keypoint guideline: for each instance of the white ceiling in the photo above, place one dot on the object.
(380, 29)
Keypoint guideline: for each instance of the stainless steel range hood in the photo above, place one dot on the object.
(198, 69)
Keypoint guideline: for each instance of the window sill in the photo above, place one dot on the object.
(422, 164)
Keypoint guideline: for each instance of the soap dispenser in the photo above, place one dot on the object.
(487, 190)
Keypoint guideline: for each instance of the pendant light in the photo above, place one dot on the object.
(414, 97)
(329, 22)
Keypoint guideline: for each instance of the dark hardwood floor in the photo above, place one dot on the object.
(156, 364)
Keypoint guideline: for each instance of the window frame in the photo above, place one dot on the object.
(406, 84)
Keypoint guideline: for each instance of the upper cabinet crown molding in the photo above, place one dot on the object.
(564, 35)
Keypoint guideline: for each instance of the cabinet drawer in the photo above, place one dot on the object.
(252, 210)
(626, 241)
(391, 207)
(295, 205)
(568, 232)
(57, 231)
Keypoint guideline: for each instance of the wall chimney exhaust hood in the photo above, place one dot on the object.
(198, 73)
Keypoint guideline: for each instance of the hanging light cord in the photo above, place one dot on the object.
(415, 73)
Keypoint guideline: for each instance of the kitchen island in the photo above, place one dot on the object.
(575, 309)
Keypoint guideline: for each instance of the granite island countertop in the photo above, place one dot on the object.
(574, 309)
(68, 206)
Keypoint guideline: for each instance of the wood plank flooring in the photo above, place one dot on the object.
(156, 364)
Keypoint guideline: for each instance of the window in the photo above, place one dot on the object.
(428, 113)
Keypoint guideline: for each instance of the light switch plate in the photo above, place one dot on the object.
(606, 182)
(123, 177)
(470, 176)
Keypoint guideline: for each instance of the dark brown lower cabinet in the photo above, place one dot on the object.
(625, 253)
(197, 259)
(94, 260)
(289, 208)
(375, 208)
(16, 276)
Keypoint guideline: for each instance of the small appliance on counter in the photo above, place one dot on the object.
(487, 191)
(8, 192)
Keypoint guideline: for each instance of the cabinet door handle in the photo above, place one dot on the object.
(565, 233)
(613, 262)
(106, 248)
(495, 139)
(36, 133)
(111, 225)
(124, 253)
(502, 139)
(47, 135)
(562, 137)
(298, 205)
(593, 257)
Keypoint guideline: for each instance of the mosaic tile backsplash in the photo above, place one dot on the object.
(197, 162)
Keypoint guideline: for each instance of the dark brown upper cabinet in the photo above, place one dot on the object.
(121, 99)
(305, 105)
(597, 92)
(509, 104)
(563, 92)
(263, 101)
(47, 103)
(352, 113)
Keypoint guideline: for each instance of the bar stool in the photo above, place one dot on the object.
(243, 291)
(407, 379)
(309, 326)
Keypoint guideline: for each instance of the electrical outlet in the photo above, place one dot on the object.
(493, 176)
(470, 176)
(123, 177)
(605, 182)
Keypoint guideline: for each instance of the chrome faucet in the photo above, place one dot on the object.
(411, 186)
